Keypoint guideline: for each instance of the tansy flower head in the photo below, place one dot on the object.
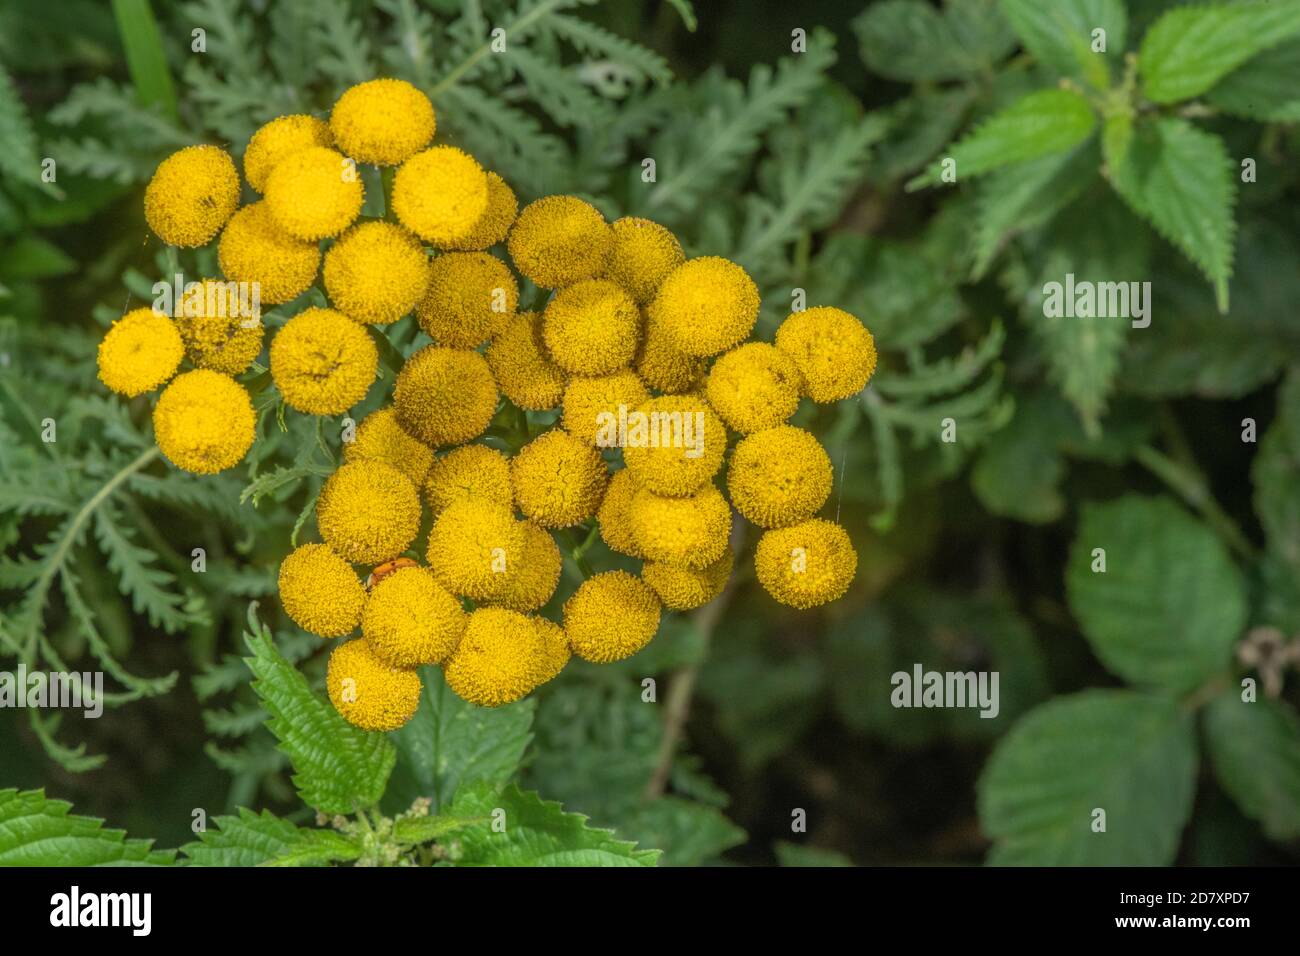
(706, 305)
(641, 257)
(780, 476)
(558, 479)
(500, 658)
(614, 516)
(536, 573)
(559, 240)
(470, 471)
(806, 564)
(469, 297)
(376, 272)
(381, 438)
(445, 396)
(279, 138)
(440, 194)
(555, 648)
(611, 616)
(382, 121)
(368, 512)
(220, 325)
(475, 549)
(314, 193)
(662, 365)
(495, 222)
(684, 589)
(590, 404)
(139, 352)
(674, 444)
(191, 195)
(409, 620)
(591, 327)
(254, 249)
(834, 351)
(368, 693)
(691, 532)
(521, 367)
(204, 422)
(322, 362)
(320, 592)
(754, 387)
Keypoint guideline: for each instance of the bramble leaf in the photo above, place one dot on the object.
(1255, 750)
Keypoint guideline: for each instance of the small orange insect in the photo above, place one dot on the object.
(388, 567)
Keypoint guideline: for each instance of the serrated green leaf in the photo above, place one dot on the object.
(911, 41)
(1275, 473)
(36, 831)
(1170, 604)
(1266, 88)
(1059, 33)
(692, 834)
(252, 839)
(1131, 755)
(18, 159)
(1255, 750)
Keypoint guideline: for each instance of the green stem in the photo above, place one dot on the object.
(1188, 482)
(544, 9)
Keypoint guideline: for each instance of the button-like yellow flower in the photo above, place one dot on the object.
(691, 532)
(470, 471)
(592, 404)
(558, 479)
(204, 422)
(469, 298)
(521, 367)
(191, 195)
(662, 365)
(610, 617)
(560, 240)
(706, 305)
(322, 362)
(834, 351)
(440, 194)
(684, 589)
(445, 396)
(753, 387)
(536, 574)
(279, 138)
(140, 351)
(614, 516)
(314, 193)
(320, 592)
(476, 548)
(376, 272)
(500, 658)
(221, 328)
(806, 564)
(254, 249)
(779, 476)
(675, 445)
(369, 693)
(382, 121)
(643, 254)
(556, 651)
(591, 327)
(368, 512)
(493, 226)
(409, 620)
(381, 438)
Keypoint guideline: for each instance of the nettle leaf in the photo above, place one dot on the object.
(1276, 475)
(1131, 755)
(1188, 50)
(535, 832)
(338, 768)
(692, 833)
(1255, 749)
(252, 839)
(1267, 88)
(1040, 124)
(1170, 604)
(1178, 177)
(36, 831)
(1059, 34)
(911, 41)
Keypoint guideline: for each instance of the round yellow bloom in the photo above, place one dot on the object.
(383, 122)
(191, 195)
(558, 479)
(834, 351)
(493, 226)
(376, 272)
(683, 589)
(779, 477)
(662, 365)
(536, 573)
(368, 693)
(754, 387)
(523, 370)
(380, 437)
(675, 444)
(470, 471)
(440, 194)
(279, 138)
(591, 327)
(706, 305)
(445, 396)
(591, 405)
(254, 249)
(469, 297)
(555, 645)
(409, 620)
(320, 592)
(559, 240)
(322, 362)
(690, 532)
(204, 422)
(614, 516)
(140, 351)
(610, 617)
(476, 548)
(643, 254)
(314, 193)
(220, 326)
(368, 512)
(806, 564)
(501, 657)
